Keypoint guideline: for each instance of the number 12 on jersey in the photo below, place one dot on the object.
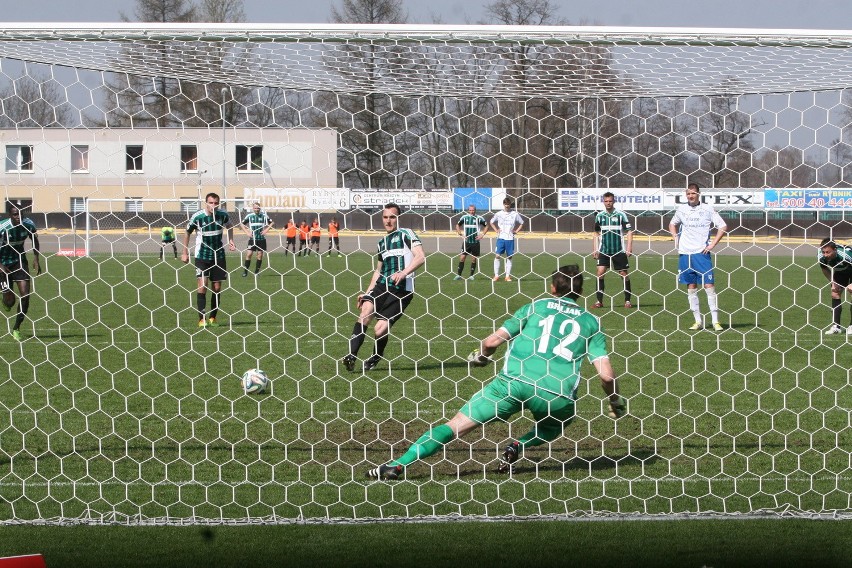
(561, 349)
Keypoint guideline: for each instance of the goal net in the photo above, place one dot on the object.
(116, 406)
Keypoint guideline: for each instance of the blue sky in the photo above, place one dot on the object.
(778, 14)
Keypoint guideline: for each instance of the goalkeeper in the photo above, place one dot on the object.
(167, 237)
(548, 340)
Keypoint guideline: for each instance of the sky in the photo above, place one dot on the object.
(762, 14)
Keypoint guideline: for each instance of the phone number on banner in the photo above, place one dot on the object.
(807, 198)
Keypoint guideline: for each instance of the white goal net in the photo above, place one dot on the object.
(116, 406)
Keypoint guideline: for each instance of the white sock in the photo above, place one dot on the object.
(497, 266)
(713, 303)
(692, 296)
(508, 267)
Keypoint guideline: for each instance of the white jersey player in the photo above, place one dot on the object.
(690, 228)
(506, 224)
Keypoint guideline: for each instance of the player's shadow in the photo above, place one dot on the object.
(636, 459)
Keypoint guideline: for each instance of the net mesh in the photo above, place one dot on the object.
(117, 407)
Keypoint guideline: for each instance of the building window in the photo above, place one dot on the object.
(79, 159)
(133, 161)
(133, 205)
(189, 158)
(78, 204)
(189, 206)
(19, 158)
(250, 158)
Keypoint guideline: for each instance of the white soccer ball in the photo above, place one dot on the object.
(255, 381)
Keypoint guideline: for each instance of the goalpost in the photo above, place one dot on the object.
(117, 408)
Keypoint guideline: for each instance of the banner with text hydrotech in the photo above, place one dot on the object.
(589, 199)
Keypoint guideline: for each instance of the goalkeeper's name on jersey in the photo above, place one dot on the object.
(570, 310)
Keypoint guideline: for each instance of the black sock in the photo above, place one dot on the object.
(357, 338)
(23, 307)
(627, 291)
(836, 309)
(472, 268)
(381, 343)
(175, 249)
(600, 290)
(214, 304)
(461, 267)
(246, 265)
(257, 265)
(201, 303)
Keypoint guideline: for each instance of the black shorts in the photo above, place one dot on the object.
(315, 240)
(291, 241)
(168, 241)
(257, 244)
(212, 270)
(17, 273)
(615, 261)
(472, 249)
(387, 304)
(843, 279)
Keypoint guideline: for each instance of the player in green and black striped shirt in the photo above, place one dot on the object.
(835, 260)
(471, 228)
(13, 263)
(209, 224)
(391, 289)
(612, 231)
(255, 224)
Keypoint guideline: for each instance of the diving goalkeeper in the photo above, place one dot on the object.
(548, 340)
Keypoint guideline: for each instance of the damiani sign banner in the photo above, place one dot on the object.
(792, 199)
(301, 198)
(590, 199)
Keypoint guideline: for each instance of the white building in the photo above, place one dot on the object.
(55, 170)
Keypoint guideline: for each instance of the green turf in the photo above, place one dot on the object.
(121, 408)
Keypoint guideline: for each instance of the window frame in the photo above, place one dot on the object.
(17, 166)
(251, 160)
(185, 162)
(131, 160)
(83, 156)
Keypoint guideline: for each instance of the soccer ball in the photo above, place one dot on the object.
(254, 381)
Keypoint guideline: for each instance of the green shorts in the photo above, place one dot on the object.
(504, 397)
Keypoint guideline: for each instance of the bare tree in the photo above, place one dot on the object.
(34, 101)
(232, 11)
(161, 11)
(367, 153)
(524, 13)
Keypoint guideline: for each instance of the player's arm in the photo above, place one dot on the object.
(673, 229)
(230, 229)
(595, 242)
(269, 224)
(36, 253)
(488, 347)
(617, 403)
(519, 224)
(419, 257)
(459, 228)
(721, 229)
(184, 256)
(826, 271)
(376, 273)
(484, 228)
(629, 238)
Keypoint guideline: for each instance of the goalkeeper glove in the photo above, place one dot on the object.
(477, 359)
(618, 408)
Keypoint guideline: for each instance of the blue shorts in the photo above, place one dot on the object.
(695, 269)
(505, 246)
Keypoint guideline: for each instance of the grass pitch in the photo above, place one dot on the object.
(119, 408)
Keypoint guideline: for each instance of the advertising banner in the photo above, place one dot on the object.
(794, 199)
(297, 198)
(632, 199)
(413, 198)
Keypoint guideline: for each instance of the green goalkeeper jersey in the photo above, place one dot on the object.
(167, 234)
(550, 338)
(12, 238)
(612, 227)
(471, 226)
(209, 230)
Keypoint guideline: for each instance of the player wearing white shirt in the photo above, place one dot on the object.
(506, 224)
(690, 228)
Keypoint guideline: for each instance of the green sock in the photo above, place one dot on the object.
(428, 444)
